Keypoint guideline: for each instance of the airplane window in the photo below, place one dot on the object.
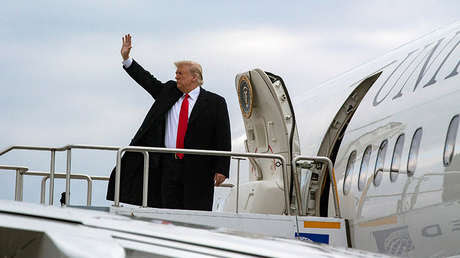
(413, 151)
(363, 170)
(348, 172)
(396, 160)
(379, 163)
(449, 146)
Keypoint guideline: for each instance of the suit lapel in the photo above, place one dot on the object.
(199, 107)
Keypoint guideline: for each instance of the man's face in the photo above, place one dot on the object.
(186, 81)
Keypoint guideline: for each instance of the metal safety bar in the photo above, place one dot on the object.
(121, 150)
(330, 167)
(196, 152)
(88, 178)
(19, 180)
(46, 175)
(146, 174)
(53, 150)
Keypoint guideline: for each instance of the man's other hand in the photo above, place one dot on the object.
(126, 46)
(218, 179)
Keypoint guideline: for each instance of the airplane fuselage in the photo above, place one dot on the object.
(398, 172)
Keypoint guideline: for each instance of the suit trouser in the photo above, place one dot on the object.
(172, 185)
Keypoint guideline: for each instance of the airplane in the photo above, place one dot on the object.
(389, 127)
(368, 159)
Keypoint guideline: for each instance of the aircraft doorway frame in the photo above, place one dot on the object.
(333, 138)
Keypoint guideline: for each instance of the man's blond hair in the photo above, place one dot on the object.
(195, 68)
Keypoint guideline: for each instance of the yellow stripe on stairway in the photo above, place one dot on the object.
(321, 224)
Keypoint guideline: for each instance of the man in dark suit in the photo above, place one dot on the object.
(184, 115)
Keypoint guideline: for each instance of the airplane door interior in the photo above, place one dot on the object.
(269, 122)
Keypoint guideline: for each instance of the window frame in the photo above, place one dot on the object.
(399, 146)
(411, 157)
(379, 154)
(453, 140)
(365, 174)
(347, 178)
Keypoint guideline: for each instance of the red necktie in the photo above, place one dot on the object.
(182, 127)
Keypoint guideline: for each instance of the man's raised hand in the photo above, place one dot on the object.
(126, 46)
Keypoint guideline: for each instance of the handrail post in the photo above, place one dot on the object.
(16, 188)
(52, 170)
(297, 190)
(43, 190)
(67, 177)
(237, 185)
(19, 185)
(237, 181)
(116, 197)
(89, 193)
(145, 188)
(286, 186)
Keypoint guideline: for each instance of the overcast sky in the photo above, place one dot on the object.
(62, 80)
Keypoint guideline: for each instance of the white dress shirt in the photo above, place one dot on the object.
(127, 63)
(172, 117)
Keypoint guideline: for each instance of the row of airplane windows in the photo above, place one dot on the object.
(449, 147)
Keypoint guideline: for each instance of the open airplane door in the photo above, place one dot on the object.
(269, 121)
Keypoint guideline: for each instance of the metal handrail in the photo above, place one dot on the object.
(145, 183)
(46, 175)
(121, 150)
(69, 148)
(199, 152)
(63, 148)
(18, 193)
(330, 167)
(25, 172)
(53, 160)
(88, 178)
(100, 178)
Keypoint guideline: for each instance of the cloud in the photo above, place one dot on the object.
(62, 80)
(73, 88)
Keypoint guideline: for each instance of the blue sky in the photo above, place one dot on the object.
(62, 81)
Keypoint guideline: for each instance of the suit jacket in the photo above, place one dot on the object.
(208, 128)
